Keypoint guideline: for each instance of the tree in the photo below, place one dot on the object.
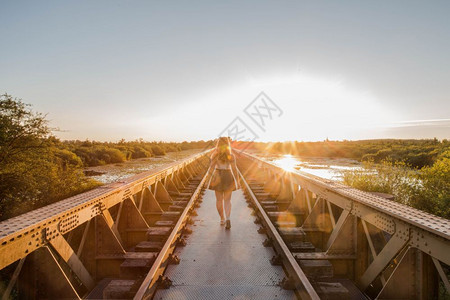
(21, 130)
(33, 171)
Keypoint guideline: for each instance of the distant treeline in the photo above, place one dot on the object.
(416, 172)
(415, 153)
(92, 153)
(37, 169)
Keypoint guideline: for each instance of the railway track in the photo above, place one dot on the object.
(102, 244)
(310, 275)
(156, 236)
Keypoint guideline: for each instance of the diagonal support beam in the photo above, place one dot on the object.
(337, 228)
(390, 250)
(110, 222)
(83, 238)
(442, 274)
(372, 247)
(12, 282)
(68, 255)
(330, 211)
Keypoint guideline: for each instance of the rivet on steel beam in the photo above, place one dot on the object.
(187, 230)
(257, 220)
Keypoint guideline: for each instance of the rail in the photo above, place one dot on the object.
(51, 227)
(349, 219)
(295, 273)
(150, 283)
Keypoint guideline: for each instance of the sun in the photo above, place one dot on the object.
(287, 162)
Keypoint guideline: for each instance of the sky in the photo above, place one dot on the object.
(186, 70)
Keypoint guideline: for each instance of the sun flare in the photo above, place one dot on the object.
(287, 162)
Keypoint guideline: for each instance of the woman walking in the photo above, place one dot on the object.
(224, 178)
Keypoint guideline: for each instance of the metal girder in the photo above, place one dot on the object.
(161, 193)
(371, 247)
(41, 267)
(403, 282)
(113, 224)
(431, 244)
(442, 274)
(429, 233)
(69, 256)
(337, 227)
(13, 279)
(22, 235)
(382, 260)
(302, 284)
(149, 284)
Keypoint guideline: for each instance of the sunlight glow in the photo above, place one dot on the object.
(287, 162)
(314, 108)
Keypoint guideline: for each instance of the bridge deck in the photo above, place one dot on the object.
(225, 264)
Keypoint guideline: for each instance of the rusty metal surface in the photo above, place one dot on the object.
(426, 221)
(224, 292)
(398, 227)
(302, 284)
(149, 284)
(27, 232)
(225, 264)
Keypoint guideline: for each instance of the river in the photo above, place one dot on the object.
(329, 168)
(116, 172)
(325, 167)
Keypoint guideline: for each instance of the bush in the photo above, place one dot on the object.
(140, 152)
(157, 150)
(34, 171)
(427, 189)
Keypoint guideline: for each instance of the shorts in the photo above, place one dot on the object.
(222, 180)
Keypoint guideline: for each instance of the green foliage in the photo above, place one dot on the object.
(427, 189)
(157, 150)
(435, 191)
(34, 169)
(21, 130)
(99, 155)
(37, 169)
(416, 153)
(94, 153)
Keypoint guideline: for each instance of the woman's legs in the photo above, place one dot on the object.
(227, 201)
(219, 204)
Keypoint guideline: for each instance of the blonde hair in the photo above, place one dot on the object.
(223, 149)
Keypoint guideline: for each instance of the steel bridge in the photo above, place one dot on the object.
(156, 235)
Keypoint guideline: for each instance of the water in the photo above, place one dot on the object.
(328, 168)
(116, 172)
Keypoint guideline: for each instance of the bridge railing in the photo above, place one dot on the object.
(387, 248)
(66, 230)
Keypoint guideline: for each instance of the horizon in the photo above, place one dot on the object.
(266, 142)
(175, 72)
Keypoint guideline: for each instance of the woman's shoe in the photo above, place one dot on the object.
(228, 224)
(222, 222)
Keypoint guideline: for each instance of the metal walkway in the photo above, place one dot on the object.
(225, 264)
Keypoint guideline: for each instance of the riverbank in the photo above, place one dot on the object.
(116, 172)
